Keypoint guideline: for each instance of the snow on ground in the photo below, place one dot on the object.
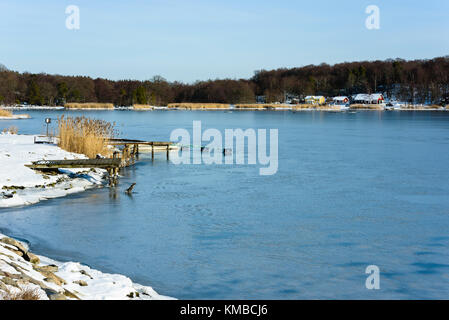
(63, 280)
(16, 117)
(31, 107)
(20, 185)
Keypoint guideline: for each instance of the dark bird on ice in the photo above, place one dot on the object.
(130, 189)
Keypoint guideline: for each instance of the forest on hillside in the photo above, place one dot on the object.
(416, 81)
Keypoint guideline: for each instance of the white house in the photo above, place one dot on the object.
(375, 98)
(340, 100)
(315, 100)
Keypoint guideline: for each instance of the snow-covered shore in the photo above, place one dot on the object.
(20, 185)
(20, 269)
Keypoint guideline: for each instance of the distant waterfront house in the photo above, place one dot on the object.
(261, 99)
(340, 100)
(375, 98)
(315, 100)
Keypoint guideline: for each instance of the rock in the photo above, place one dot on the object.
(3, 287)
(18, 268)
(19, 253)
(9, 275)
(69, 294)
(83, 272)
(57, 296)
(33, 258)
(51, 277)
(81, 283)
(49, 268)
(14, 243)
(36, 282)
(9, 282)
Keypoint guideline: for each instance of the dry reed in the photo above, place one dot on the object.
(85, 135)
(5, 113)
(142, 107)
(89, 105)
(303, 106)
(11, 130)
(26, 294)
(185, 105)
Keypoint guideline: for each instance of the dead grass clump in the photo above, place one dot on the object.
(303, 106)
(367, 106)
(89, 105)
(192, 106)
(5, 113)
(11, 130)
(85, 135)
(142, 107)
(25, 294)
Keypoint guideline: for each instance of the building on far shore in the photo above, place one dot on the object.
(318, 100)
(342, 100)
(261, 99)
(363, 98)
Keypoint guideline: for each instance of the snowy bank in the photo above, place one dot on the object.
(20, 270)
(20, 185)
(16, 117)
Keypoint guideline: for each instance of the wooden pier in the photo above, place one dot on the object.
(131, 148)
(127, 151)
(126, 156)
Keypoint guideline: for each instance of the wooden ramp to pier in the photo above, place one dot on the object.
(78, 163)
(111, 165)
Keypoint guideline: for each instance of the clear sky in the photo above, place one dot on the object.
(188, 40)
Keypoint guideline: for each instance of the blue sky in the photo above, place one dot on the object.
(190, 40)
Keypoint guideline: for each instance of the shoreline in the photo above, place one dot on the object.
(50, 279)
(21, 271)
(20, 185)
(281, 107)
(16, 117)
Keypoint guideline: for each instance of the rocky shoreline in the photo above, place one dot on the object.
(27, 276)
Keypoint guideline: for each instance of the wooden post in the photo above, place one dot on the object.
(115, 175)
(168, 152)
(152, 152)
(133, 154)
(125, 158)
(110, 176)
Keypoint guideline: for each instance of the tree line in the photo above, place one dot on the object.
(415, 81)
